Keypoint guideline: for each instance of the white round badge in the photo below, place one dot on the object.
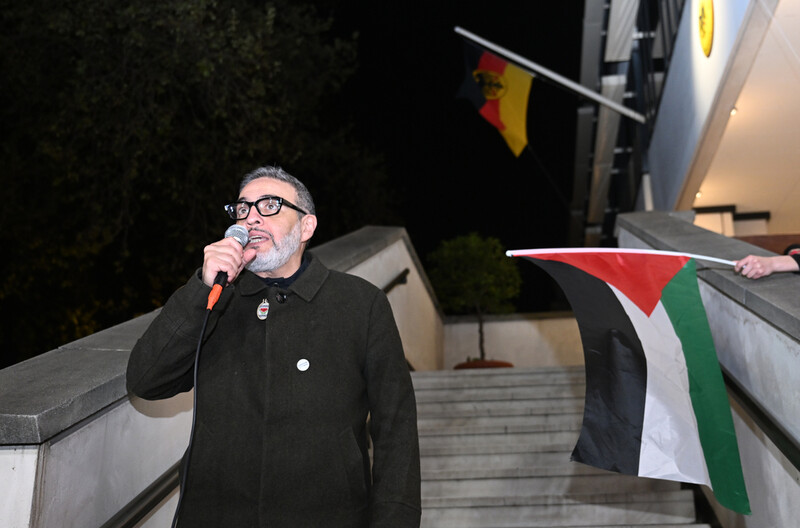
(303, 365)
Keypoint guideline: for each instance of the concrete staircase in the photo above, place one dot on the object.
(495, 447)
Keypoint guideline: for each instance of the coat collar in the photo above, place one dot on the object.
(306, 286)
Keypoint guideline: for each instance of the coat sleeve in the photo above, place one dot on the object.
(161, 363)
(395, 500)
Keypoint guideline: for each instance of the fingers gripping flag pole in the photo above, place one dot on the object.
(656, 404)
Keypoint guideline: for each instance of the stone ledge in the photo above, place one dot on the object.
(47, 394)
(775, 298)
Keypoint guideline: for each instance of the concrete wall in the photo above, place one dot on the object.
(694, 104)
(756, 331)
(75, 448)
(525, 340)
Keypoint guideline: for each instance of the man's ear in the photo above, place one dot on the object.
(308, 226)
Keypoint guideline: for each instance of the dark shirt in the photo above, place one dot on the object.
(284, 282)
(796, 257)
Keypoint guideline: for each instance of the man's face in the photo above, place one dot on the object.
(277, 239)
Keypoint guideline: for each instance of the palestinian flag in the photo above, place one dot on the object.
(656, 404)
(499, 90)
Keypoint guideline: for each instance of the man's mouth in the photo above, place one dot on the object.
(258, 237)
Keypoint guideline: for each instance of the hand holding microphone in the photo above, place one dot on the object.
(224, 260)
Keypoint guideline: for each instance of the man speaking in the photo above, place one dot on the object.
(294, 359)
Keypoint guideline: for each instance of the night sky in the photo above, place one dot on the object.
(451, 169)
(450, 172)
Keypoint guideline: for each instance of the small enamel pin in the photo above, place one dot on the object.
(263, 310)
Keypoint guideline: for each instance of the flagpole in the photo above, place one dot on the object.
(536, 69)
(548, 176)
(526, 252)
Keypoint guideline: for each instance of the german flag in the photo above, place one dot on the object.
(499, 90)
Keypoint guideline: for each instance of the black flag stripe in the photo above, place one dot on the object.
(616, 372)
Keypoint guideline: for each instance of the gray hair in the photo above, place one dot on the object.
(304, 199)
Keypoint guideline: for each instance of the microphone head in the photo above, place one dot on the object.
(239, 233)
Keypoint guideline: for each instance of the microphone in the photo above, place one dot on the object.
(238, 233)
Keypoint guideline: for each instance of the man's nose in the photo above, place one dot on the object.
(253, 216)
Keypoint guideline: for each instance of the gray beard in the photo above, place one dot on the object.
(279, 254)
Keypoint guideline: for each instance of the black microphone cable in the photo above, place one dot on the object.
(187, 456)
(240, 234)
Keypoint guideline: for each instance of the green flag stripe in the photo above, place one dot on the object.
(684, 306)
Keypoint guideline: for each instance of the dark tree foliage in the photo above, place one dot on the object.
(126, 127)
(472, 275)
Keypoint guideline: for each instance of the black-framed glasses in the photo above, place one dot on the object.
(266, 206)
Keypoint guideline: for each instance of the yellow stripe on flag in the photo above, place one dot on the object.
(514, 108)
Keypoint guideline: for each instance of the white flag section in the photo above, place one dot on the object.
(671, 447)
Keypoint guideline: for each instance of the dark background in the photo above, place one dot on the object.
(452, 169)
(446, 160)
(89, 243)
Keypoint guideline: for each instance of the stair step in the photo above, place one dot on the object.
(499, 424)
(495, 449)
(549, 435)
(500, 372)
(527, 392)
(538, 445)
(665, 507)
(487, 462)
(565, 469)
(481, 378)
(542, 484)
(681, 525)
(434, 409)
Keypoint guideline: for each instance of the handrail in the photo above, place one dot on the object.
(782, 439)
(142, 504)
(402, 278)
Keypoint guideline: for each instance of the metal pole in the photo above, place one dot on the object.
(536, 69)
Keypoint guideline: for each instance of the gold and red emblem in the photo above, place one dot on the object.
(492, 84)
(705, 21)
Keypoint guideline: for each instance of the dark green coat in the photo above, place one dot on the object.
(276, 445)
